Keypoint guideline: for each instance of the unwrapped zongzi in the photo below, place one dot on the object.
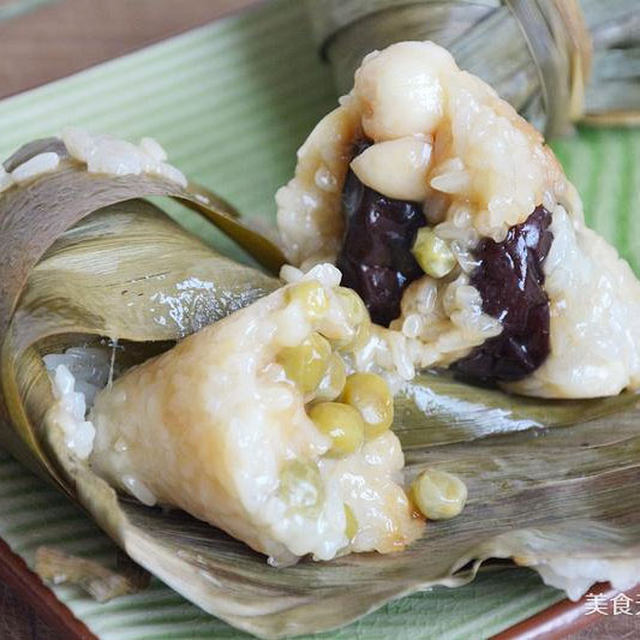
(455, 223)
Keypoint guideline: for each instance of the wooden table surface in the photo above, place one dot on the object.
(42, 40)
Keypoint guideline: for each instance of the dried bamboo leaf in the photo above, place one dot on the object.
(163, 281)
(537, 55)
(33, 216)
(100, 582)
(435, 408)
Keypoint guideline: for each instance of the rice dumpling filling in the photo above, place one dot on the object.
(443, 209)
(510, 279)
(376, 259)
(259, 425)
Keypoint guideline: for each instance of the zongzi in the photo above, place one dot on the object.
(255, 425)
(453, 220)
